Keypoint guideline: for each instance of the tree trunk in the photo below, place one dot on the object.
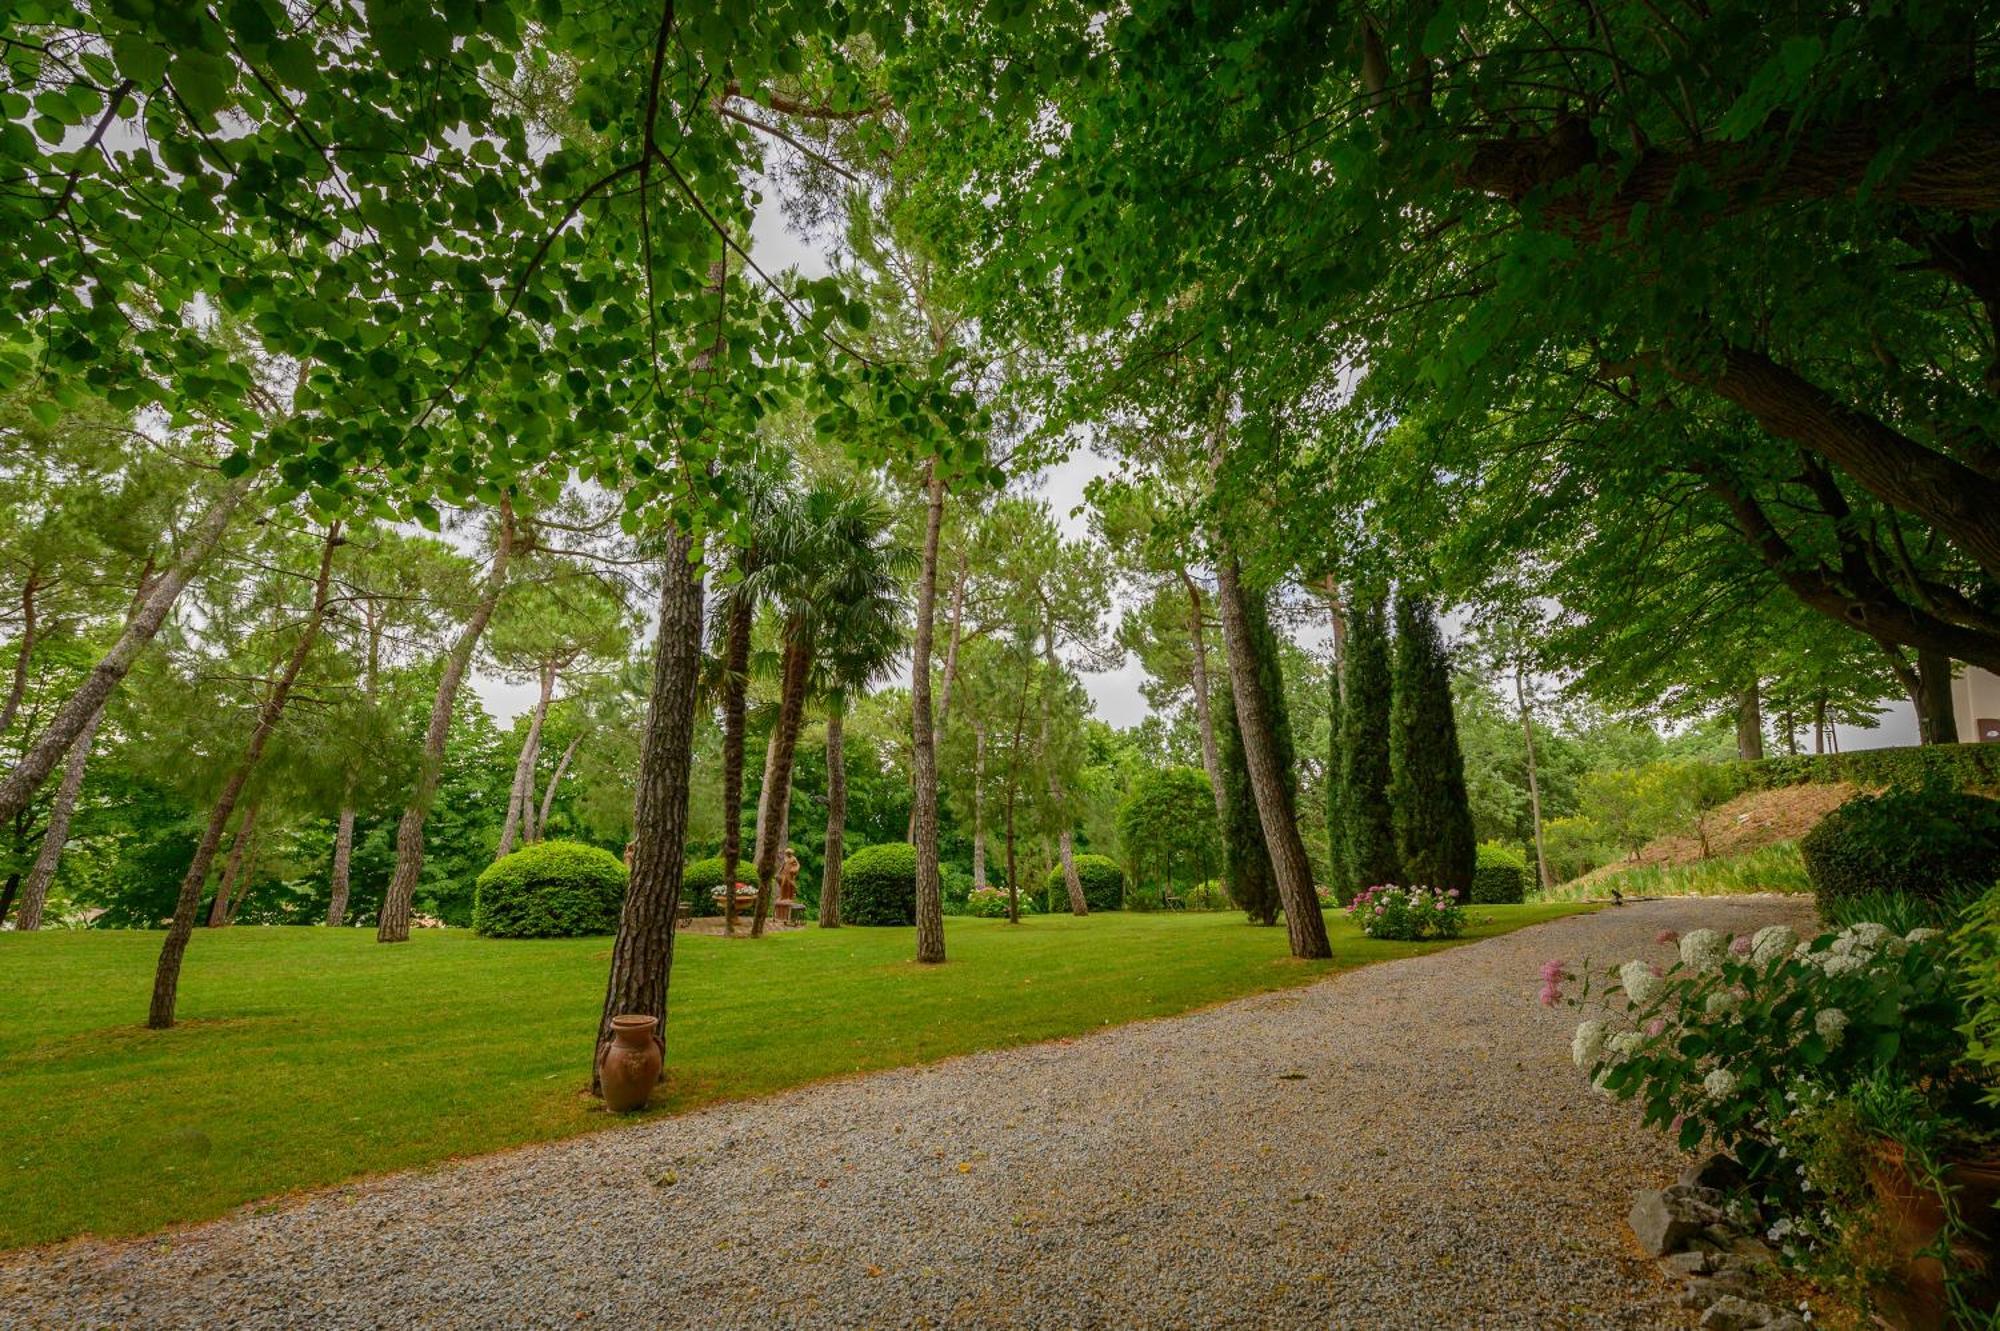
(777, 798)
(1013, 879)
(18, 688)
(1937, 716)
(240, 883)
(555, 780)
(642, 957)
(978, 803)
(736, 665)
(343, 858)
(836, 815)
(48, 749)
(1819, 723)
(35, 893)
(1065, 841)
(1204, 718)
(923, 736)
(523, 791)
(950, 648)
(394, 925)
(7, 891)
(246, 828)
(1304, 924)
(1013, 788)
(167, 978)
(1534, 779)
(1749, 724)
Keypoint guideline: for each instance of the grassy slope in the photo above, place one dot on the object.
(1773, 868)
(307, 1056)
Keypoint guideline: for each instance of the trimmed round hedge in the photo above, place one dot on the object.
(1500, 877)
(698, 883)
(553, 889)
(1103, 883)
(878, 885)
(1930, 842)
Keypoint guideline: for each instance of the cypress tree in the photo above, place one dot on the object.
(1253, 881)
(1370, 833)
(1336, 806)
(1433, 818)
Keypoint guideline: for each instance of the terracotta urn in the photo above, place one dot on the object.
(630, 1065)
(1917, 1216)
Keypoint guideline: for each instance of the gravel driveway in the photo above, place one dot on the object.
(1401, 1146)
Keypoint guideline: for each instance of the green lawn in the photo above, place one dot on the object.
(308, 1056)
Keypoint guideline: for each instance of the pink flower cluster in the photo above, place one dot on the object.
(1553, 976)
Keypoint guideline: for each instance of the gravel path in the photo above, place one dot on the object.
(1402, 1146)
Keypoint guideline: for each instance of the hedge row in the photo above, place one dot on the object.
(1960, 766)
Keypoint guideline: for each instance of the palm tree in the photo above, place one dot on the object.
(834, 570)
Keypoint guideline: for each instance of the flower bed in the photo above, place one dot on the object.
(1407, 914)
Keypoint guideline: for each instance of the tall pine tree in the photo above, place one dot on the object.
(1433, 818)
(1336, 805)
(1253, 880)
(1370, 835)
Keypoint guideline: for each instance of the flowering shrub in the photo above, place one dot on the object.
(988, 903)
(1407, 914)
(1713, 1042)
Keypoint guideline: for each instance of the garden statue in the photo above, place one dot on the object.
(786, 906)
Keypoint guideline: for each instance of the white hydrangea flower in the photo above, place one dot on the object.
(1703, 950)
(1719, 1084)
(1836, 965)
(1870, 935)
(1641, 985)
(1586, 1047)
(1771, 942)
(1627, 1042)
(1922, 935)
(1831, 1023)
(1722, 1002)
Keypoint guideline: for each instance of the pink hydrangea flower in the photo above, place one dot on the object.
(1667, 937)
(1656, 1027)
(1740, 945)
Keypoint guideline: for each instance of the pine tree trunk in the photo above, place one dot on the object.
(1304, 925)
(1938, 720)
(18, 688)
(951, 648)
(642, 957)
(1534, 780)
(1819, 723)
(246, 827)
(775, 820)
(167, 978)
(148, 614)
(394, 925)
(923, 736)
(555, 780)
(7, 891)
(1749, 724)
(35, 892)
(1203, 715)
(1013, 788)
(978, 803)
(736, 665)
(240, 886)
(836, 816)
(524, 767)
(343, 858)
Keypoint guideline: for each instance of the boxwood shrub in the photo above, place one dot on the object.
(553, 889)
(878, 885)
(1103, 883)
(699, 881)
(1929, 842)
(1501, 876)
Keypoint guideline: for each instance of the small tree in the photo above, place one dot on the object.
(1433, 819)
(1370, 834)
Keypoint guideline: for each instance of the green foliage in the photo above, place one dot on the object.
(1925, 842)
(698, 883)
(1210, 895)
(1168, 823)
(1960, 766)
(552, 889)
(1407, 914)
(878, 885)
(1501, 877)
(1103, 883)
(1429, 810)
(1978, 942)
(1773, 868)
(1901, 913)
(986, 903)
(1370, 830)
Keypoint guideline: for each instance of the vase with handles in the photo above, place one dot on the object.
(629, 1068)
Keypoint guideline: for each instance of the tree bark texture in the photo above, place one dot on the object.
(166, 978)
(35, 890)
(923, 736)
(1304, 925)
(1204, 718)
(736, 665)
(232, 867)
(523, 789)
(642, 956)
(1750, 724)
(394, 924)
(1937, 716)
(555, 781)
(33, 769)
(836, 817)
(777, 798)
(23, 652)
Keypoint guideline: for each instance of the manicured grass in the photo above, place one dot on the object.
(1773, 868)
(308, 1056)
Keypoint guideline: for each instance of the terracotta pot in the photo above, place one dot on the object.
(630, 1066)
(1916, 1215)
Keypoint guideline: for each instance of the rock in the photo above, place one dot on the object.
(1730, 1313)
(1749, 1254)
(1704, 1291)
(1717, 1171)
(1786, 1322)
(1658, 1225)
(1690, 1263)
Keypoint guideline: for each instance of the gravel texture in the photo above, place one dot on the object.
(1402, 1146)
